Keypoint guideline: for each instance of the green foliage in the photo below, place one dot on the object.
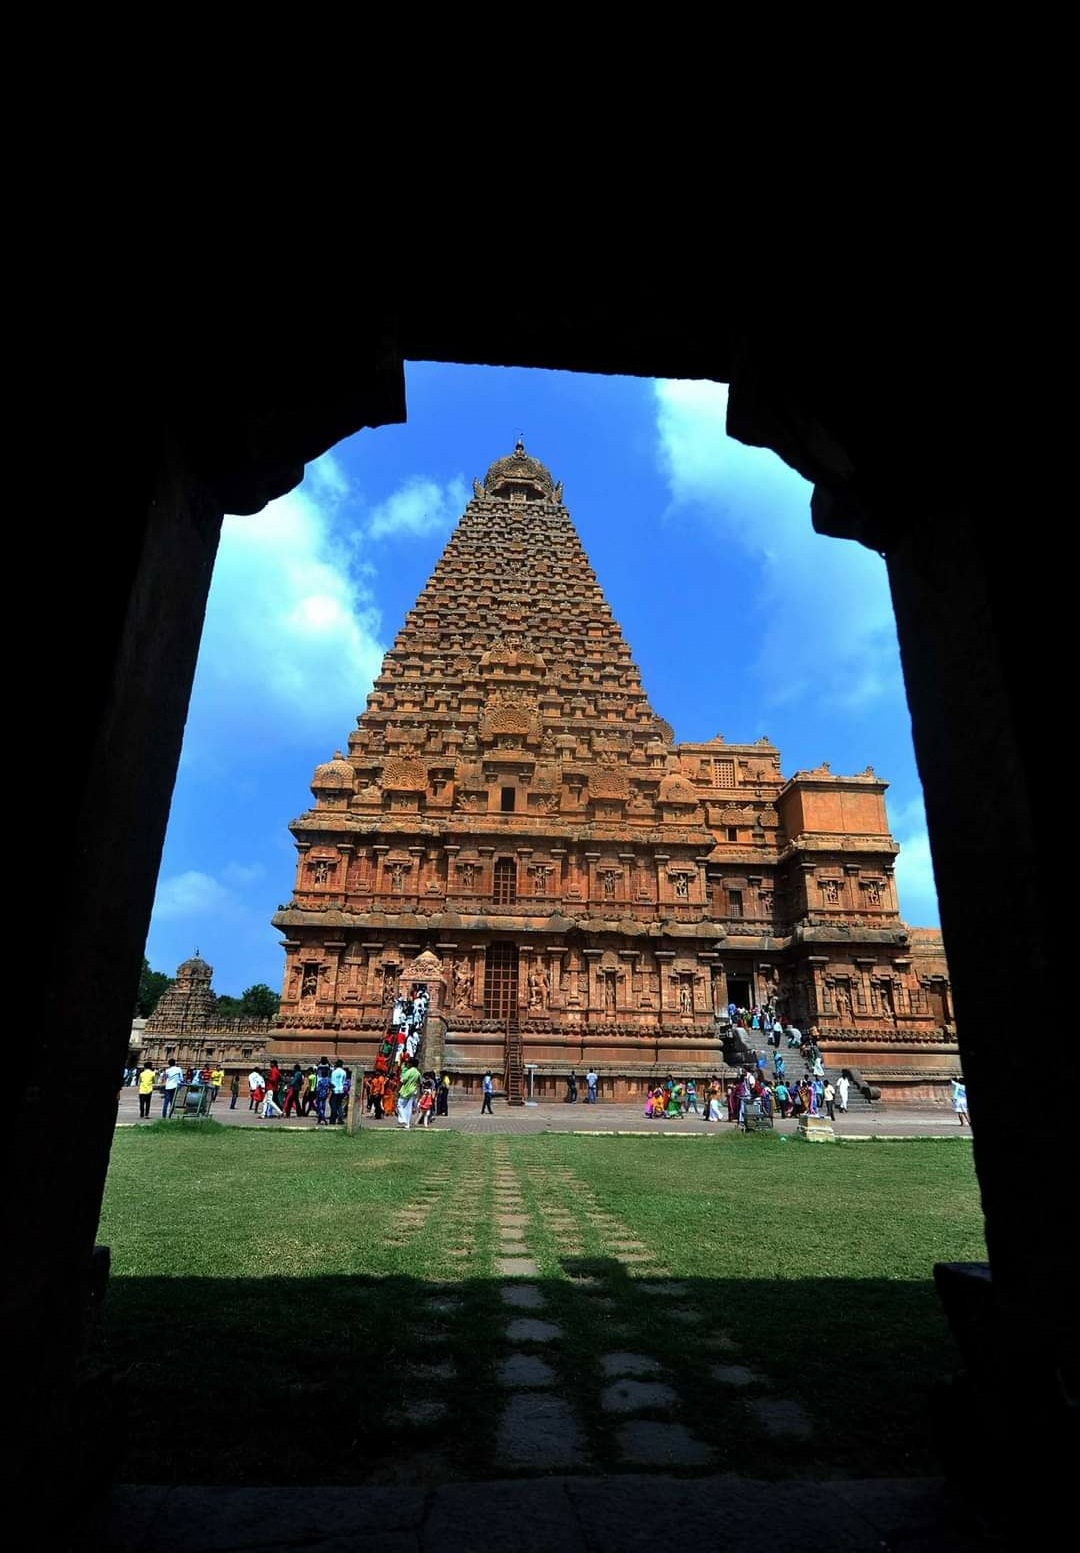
(259, 1002)
(151, 985)
(228, 1008)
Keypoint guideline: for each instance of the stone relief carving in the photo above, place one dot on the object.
(463, 984)
(539, 985)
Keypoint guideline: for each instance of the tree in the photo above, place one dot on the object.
(151, 985)
(259, 1002)
(227, 1008)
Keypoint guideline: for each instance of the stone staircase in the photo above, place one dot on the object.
(863, 1098)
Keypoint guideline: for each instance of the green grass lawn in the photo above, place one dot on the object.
(280, 1301)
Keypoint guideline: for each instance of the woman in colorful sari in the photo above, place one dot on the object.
(674, 1099)
(389, 1096)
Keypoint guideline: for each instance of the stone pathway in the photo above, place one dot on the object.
(589, 1339)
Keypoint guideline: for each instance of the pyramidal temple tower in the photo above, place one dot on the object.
(513, 824)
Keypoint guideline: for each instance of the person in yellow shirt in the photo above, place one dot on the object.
(146, 1089)
(217, 1078)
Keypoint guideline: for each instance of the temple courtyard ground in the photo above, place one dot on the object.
(407, 1311)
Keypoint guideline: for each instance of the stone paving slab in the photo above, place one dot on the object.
(525, 1369)
(522, 1296)
(629, 1364)
(538, 1431)
(618, 1514)
(662, 1445)
(516, 1267)
(636, 1396)
(735, 1375)
(535, 1516)
(528, 1330)
(154, 1519)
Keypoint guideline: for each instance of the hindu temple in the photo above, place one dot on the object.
(513, 826)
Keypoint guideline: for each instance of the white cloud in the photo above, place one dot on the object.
(821, 607)
(243, 874)
(328, 480)
(915, 884)
(290, 645)
(192, 894)
(420, 507)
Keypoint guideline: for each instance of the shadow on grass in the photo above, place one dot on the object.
(384, 1380)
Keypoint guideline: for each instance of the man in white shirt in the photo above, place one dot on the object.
(841, 1093)
(173, 1077)
(337, 1093)
(256, 1090)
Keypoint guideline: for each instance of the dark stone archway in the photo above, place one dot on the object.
(883, 403)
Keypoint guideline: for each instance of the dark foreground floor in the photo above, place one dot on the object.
(548, 1515)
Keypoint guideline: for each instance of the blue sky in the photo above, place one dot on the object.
(742, 620)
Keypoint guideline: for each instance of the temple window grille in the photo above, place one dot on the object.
(500, 981)
(732, 833)
(507, 799)
(505, 890)
(735, 903)
(723, 773)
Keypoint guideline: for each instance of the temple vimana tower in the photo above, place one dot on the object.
(515, 826)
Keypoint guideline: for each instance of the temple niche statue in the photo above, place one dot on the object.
(510, 801)
(539, 986)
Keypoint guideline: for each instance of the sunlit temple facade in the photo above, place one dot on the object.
(513, 823)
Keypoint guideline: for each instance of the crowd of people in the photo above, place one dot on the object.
(757, 1091)
(324, 1089)
(168, 1080)
(400, 1092)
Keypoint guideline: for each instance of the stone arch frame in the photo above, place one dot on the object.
(799, 385)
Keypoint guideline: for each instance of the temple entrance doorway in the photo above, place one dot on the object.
(501, 981)
(739, 991)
